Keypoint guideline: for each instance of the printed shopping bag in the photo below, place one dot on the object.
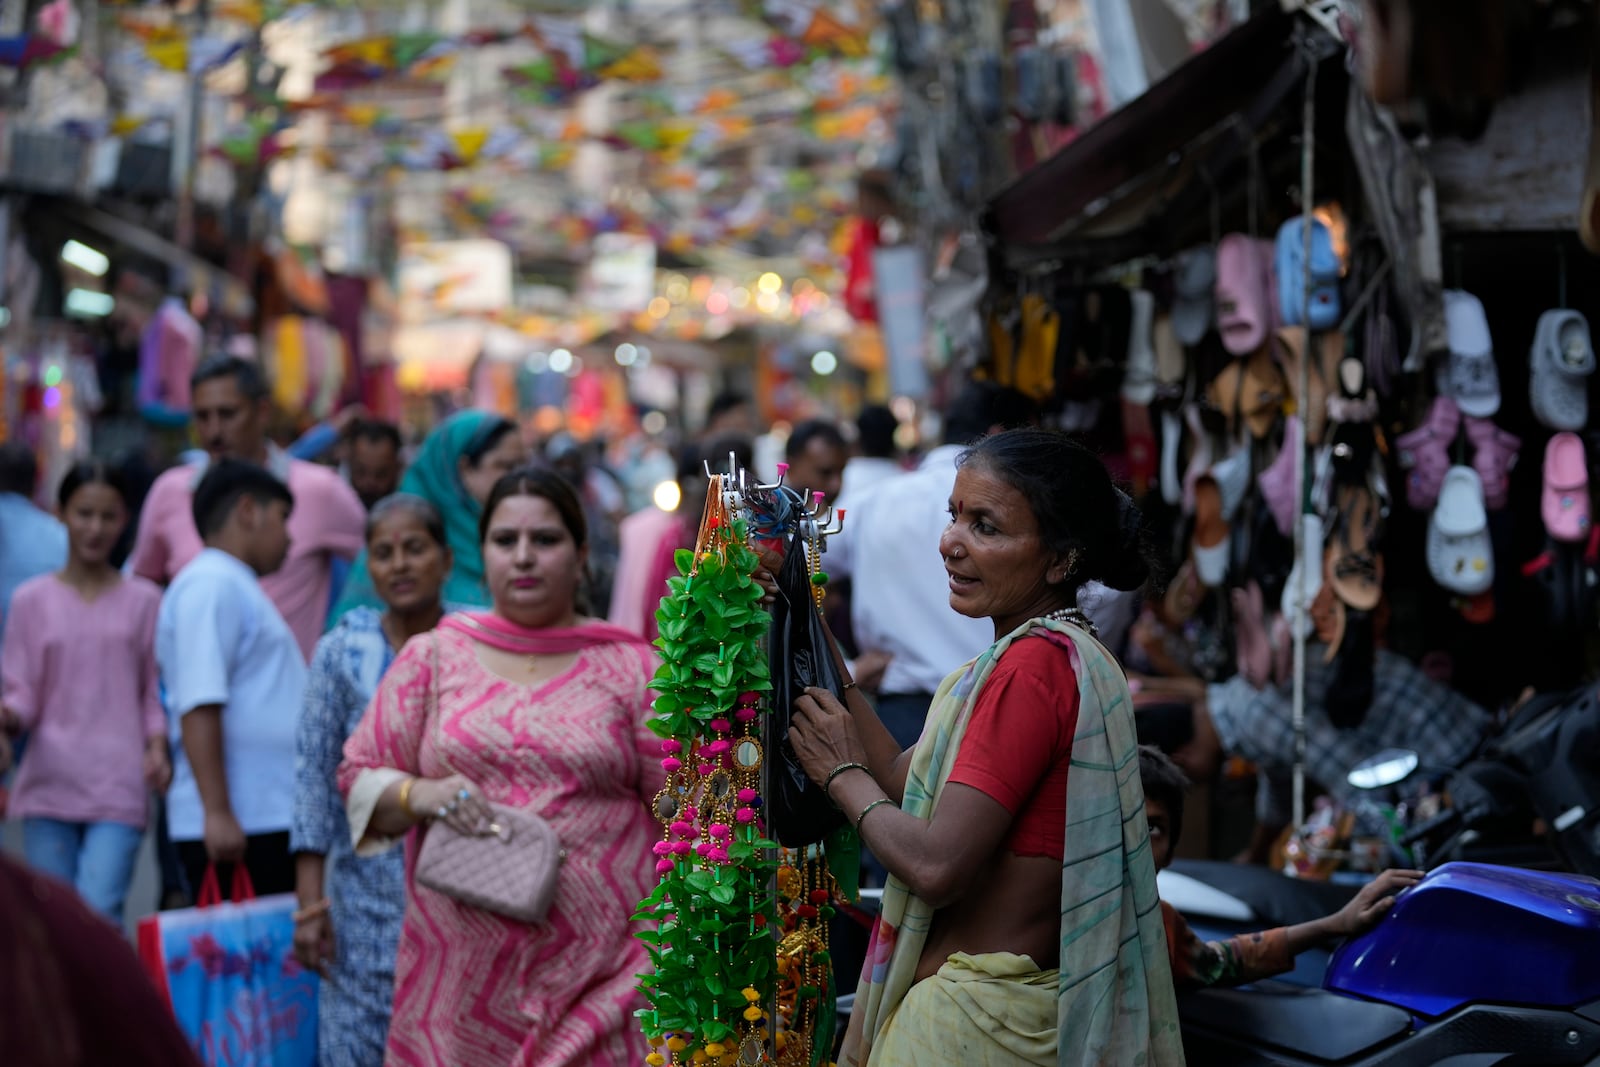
(229, 972)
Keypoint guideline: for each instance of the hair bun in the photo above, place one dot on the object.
(1131, 566)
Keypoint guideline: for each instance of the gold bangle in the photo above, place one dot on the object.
(405, 798)
(869, 807)
(847, 687)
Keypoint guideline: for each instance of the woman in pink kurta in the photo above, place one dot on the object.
(530, 706)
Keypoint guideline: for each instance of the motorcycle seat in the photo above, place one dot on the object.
(1276, 899)
(1313, 1023)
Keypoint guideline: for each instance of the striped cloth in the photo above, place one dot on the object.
(1115, 1002)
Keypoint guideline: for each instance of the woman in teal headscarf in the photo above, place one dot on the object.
(455, 469)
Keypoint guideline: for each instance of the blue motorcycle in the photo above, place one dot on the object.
(1479, 964)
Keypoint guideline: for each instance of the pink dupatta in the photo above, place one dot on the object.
(507, 636)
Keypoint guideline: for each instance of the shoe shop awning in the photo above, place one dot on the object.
(1251, 70)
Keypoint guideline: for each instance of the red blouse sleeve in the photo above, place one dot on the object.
(1024, 719)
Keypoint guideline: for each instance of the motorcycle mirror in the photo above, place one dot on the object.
(1389, 767)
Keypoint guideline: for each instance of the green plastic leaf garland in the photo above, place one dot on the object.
(713, 912)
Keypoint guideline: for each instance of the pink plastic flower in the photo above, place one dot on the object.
(721, 726)
(744, 815)
(749, 698)
(663, 866)
(717, 748)
(707, 768)
(718, 830)
(747, 795)
(662, 848)
(703, 847)
(745, 714)
(681, 828)
(672, 746)
(689, 814)
(681, 848)
(671, 765)
(717, 855)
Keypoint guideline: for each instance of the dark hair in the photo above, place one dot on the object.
(725, 402)
(1165, 784)
(227, 481)
(1078, 509)
(408, 504)
(484, 440)
(812, 430)
(876, 426)
(245, 373)
(377, 431)
(19, 469)
(981, 406)
(91, 472)
(537, 481)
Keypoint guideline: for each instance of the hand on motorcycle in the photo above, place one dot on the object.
(1371, 904)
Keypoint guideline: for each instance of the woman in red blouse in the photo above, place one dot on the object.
(1020, 922)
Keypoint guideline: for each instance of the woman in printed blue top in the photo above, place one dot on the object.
(348, 925)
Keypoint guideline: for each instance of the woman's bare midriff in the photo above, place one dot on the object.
(1013, 905)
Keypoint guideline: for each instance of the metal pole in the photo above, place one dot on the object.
(1308, 150)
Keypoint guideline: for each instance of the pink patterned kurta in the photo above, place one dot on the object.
(473, 989)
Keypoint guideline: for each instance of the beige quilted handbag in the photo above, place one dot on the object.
(512, 870)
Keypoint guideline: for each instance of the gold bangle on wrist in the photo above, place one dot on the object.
(847, 686)
(405, 798)
(869, 807)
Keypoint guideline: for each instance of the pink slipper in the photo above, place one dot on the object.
(1277, 482)
(1565, 501)
(1425, 453)
(1494, 454)
(1250, 630)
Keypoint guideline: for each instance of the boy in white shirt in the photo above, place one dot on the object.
(235, 677)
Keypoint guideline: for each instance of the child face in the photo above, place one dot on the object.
(1155, 813)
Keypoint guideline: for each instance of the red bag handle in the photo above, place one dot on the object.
(211, 889)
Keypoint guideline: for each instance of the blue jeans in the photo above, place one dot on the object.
(96, 858)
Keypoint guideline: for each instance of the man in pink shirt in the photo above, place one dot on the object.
(231, 405)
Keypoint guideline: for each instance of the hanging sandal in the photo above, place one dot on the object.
(1355, 564)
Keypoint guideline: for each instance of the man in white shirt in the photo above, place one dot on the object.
(877, 456)
(235, 678)
(889, 549)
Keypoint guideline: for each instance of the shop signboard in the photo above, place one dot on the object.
(444, 279)
(622, 273)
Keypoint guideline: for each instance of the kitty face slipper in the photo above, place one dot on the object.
(1559, 365)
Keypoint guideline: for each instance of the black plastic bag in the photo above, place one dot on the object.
(799, 812)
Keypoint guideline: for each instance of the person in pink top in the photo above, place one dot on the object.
(231, 407)
(78, 671)
(533, 706)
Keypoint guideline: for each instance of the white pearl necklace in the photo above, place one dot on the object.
(1073, 617)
